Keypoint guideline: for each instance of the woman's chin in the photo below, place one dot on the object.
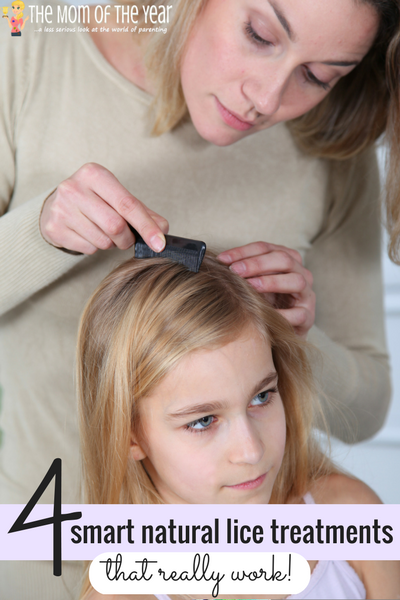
(219, 135)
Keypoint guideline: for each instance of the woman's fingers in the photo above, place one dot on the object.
(282, 283)
(255, 249)
(279, 274)
(107, 187)
(300, 318)
(77, 243)
(293, 295)
(160, 220)
(272, 263)
(89, 217)
(94, 204)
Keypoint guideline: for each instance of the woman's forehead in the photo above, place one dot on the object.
(345, 27)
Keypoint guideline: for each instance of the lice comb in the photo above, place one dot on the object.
(189, 253)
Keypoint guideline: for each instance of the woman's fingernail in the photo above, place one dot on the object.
(158, 242)
(223, 257)
(256, 283)
(238, 268)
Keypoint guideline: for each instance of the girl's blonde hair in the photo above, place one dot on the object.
(142, 320)
(360, 108)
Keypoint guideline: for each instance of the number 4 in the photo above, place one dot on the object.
(56, 519)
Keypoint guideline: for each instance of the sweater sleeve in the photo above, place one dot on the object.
(27, 263)
(353, 367)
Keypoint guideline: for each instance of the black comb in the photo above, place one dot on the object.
(189, 253)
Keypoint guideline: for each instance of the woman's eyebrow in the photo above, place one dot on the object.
(283, 21)
(292, 37)
(341, 63)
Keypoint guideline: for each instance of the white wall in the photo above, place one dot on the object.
(377, 462)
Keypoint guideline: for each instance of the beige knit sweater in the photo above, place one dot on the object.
(63, 105)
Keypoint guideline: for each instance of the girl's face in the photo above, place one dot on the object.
(214, 429)
(250, 64)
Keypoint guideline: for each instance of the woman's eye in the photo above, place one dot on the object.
(201, 424)
(263, 398)
(310, 77)
(253, 35)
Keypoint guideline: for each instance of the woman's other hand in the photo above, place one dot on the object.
(91, 210)
(279, 273)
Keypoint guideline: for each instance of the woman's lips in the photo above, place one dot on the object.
(231, 119)
(249, 485)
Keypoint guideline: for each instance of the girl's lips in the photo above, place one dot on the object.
(249, 485)
(231, 119)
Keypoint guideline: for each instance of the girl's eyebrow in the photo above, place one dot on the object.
(211, 407)
(272, 376)
(195, 409)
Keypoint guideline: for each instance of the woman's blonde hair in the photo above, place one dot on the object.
(142, 320)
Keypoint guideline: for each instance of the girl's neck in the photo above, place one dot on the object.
(124, 50)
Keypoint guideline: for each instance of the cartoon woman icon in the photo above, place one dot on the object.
(17, 23)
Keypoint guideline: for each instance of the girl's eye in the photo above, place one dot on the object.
(253, 35)
(201, 424)
(264, 398)
(310, 77)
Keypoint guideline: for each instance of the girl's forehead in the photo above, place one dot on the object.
(228, 373)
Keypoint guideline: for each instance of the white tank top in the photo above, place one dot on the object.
(330, 580)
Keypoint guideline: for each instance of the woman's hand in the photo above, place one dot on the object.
(278, 272)
(91, 210)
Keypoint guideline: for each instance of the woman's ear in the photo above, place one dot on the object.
(136, 451)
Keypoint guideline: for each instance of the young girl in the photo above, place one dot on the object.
(193, 389)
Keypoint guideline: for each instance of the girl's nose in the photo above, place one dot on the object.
(246, 444)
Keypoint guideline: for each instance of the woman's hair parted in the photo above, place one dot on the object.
(360, 108)
(143, 319)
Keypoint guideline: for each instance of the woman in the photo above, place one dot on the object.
(74, 99)
(192, 389)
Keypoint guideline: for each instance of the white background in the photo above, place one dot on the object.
(377, 462)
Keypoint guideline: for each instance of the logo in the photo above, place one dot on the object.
(16, 23)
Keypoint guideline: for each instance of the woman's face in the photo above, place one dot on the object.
(250, 64)
(214, 429)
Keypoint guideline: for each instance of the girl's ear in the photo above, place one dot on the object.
(136, 451)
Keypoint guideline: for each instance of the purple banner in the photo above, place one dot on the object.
(320, 532)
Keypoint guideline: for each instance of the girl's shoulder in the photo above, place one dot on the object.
(339, 488)
(381, 579)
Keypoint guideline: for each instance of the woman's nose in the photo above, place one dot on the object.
(246, 444)
(265, 95)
